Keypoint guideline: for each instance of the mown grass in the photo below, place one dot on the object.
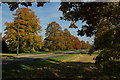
(97, 52)
(40, 52)
(85, 52)
(3, 55)
(61, 58)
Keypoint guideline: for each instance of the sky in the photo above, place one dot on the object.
(48, 13)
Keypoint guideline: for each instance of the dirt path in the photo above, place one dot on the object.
(82, 58)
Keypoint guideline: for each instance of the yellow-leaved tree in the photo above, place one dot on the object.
(22, 33)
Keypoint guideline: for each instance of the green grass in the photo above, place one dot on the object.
(3, 55)
(61, 58)
(85, 52)
(97, 52)
(44, 52)
(40, 52)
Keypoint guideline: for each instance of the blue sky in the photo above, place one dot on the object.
(48, 13)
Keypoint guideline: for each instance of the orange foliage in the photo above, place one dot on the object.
(26, 27)
(60, 40)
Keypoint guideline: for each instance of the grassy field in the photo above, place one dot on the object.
(41, 52)
(61, 58)
(55, 68)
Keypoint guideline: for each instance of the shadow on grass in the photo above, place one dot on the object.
(50, 69)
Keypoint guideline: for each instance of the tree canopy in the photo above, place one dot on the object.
(53, 36)
(25, 27)
(102, 20)
(95, 14)
(57, 39)
(15, 5)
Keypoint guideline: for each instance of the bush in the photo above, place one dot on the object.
(108, 61)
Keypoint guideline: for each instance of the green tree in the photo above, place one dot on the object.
(23, 31)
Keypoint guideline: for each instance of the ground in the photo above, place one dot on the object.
(82, 58)
(74, 65)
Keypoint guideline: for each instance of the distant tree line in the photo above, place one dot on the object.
(23, 34)
(58, 39)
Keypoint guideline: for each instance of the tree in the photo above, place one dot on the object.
(54, 39)
(101, 19)
(4, 46)
(93, 13)
(68, 40)
(0, 34)
(85, 45)
(76, 43)
(110, 54)
(71, 42)
(23, 31)
(15, 5)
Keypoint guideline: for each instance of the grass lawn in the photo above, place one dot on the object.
(41, 52)
(3, 55)
(61, 58)
(53, 68)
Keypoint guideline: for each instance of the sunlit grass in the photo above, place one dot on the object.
(40, 52)
(61, 58)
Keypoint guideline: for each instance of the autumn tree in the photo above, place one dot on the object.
(85, 45)
(68, 40)
(23, 31)
(71, 42)
(54, 39)
(76, 43)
